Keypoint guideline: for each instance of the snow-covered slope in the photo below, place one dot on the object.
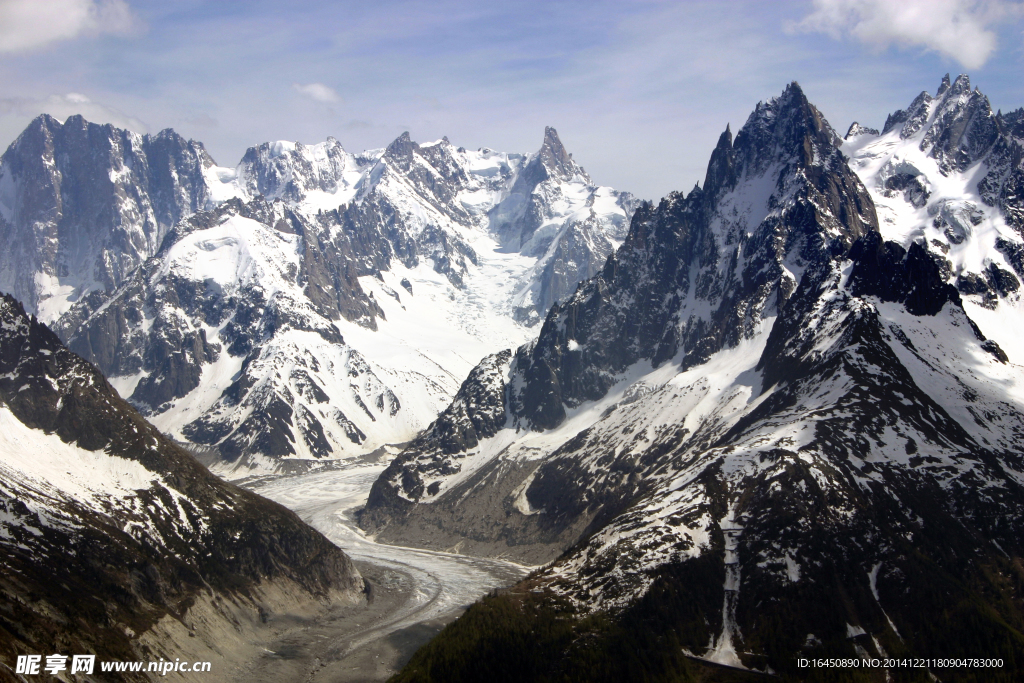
(324, 304)
(760, 409)
(942, 174)
(543, 206)
(110, 533)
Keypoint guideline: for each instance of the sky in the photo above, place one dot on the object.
(639, 90)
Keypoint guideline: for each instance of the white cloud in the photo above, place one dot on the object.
(62, 106)
(28, 24)
(317, 91)
(960, 29)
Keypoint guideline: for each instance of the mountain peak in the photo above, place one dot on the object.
(400, 151)
(788, 124)
(45, 121)
(401, 145)
(554, 155)
(961, 86)
(794, 90)
(943, 86)
(76, 120)
(959, 125)
(722, 165)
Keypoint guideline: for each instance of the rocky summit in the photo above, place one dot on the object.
(784, 421)
(307, 304)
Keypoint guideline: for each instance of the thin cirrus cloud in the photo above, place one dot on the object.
(31, 24)
(317, 92)
(959, 29)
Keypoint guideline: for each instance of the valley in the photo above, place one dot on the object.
(415, 591)
(780, 415)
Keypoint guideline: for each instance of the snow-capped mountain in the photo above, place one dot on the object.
(307, 303)
(116, 542)
(945, 173)
(771, 409)
(83, 205)
(543, 206)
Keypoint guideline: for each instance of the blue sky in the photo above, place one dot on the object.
(638, 90)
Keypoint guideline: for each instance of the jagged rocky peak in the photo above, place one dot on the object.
(786, 128)
(438, 156)
(442, 156)
(958, 124)
(400, 151)
(787, 132)
(290, 170)
(697, 273)
(943, 86)
(552, 161)
(528, 204)
(725, 245)
(965, 127)
(555, 158)
(84, 204)
(721, 171)
(437, 174)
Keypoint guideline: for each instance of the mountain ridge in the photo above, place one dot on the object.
(322, 241)
(801, 432)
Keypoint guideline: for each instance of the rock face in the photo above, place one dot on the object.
(770, 409)
(107, 528)
(224, 302)
(83, 205)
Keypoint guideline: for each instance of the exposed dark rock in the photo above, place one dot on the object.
(857, 129)
(911, 277)
(913, 189)
(81, 580)
(635, 308)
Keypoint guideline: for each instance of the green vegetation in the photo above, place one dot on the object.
(531, 634)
